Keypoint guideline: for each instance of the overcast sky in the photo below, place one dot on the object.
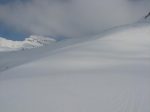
(67, 18)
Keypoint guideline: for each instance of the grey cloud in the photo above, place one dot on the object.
(72, 18)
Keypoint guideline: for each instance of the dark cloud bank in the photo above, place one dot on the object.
(71, 18)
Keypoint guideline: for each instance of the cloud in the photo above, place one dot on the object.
(71, 18)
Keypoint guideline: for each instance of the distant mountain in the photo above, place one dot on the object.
(147, 16)
(33, 41)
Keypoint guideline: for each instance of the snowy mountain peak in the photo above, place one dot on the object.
(37, 41)
(35, 38)
(31, 42)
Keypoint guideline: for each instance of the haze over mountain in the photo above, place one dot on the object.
(71, 18)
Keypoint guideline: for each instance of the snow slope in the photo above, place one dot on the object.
(109, 74)
(32, 42)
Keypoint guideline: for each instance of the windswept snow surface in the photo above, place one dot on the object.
(109, 74)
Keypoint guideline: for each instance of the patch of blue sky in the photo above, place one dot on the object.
(12, 34)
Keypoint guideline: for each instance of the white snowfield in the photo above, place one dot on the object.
(107, 73)
(32, 42)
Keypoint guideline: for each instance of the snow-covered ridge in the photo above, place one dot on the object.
(109, 73)
(32, 42)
